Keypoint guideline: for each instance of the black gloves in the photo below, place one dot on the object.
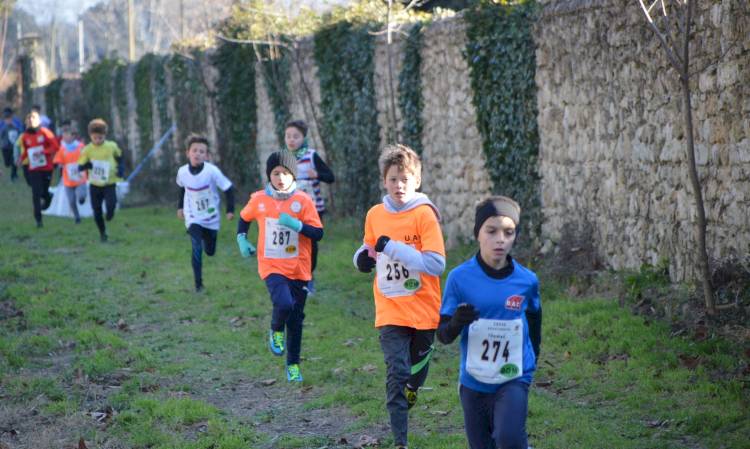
(465, 314)
(365, 263)
(382, 241)
(450, 327)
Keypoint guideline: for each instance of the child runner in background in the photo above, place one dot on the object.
(199, 202)
(404, 243)
(311, 171)
(10, 129)
(38, 148)
(74, 181)
(493, 302)
(103, 159)
(288, 223)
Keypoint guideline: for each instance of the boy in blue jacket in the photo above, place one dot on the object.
(492, 301)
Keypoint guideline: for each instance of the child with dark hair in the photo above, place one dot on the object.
(492, 301)
(404, 243)
(199, 201)
(103, 159)
(288, 223)
(38, 148)
(74, 182)
(10, 129)
(311, 171)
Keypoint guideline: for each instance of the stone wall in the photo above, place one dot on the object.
(612, 141)
(613, 152)
(453, 173)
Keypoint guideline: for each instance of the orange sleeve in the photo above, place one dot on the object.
(58, 158)
(370, 238)
(248, 212)
(429, 231)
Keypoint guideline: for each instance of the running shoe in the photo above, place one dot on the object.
(293, 374)
(276, 342)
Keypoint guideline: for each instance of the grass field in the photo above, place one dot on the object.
(108, 343)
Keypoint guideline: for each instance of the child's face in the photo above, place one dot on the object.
(34, 120)
(67, 136)
(401, 185)
(197, 153)
(97, 138)
(496, 238)
(293, 138)
(281, 178)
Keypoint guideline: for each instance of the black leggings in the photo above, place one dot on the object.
(39, 181)
(9, 162)
(99, 195)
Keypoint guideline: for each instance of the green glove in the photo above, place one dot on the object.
(290, 222)
(246, 248)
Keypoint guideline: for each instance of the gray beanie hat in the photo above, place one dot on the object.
(493, 206)
(283, 158)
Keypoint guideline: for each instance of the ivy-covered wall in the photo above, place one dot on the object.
(235, 100)
(501, 55)
(344, 56)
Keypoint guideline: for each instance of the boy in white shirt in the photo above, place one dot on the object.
(199, 201)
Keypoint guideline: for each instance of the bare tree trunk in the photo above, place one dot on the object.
(392, 134)
(700, 226)
(3, 70)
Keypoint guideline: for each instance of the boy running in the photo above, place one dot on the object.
(74, 182)
(103, 159)
(199, 201)
(38, 147)
(493, 302)
(311, 171)
(404, 243)
(288, 223)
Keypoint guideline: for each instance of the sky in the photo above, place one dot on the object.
(67, 10)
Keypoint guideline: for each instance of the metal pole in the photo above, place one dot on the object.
(81, 55)
(131, 31)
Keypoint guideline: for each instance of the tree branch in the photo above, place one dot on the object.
(254, 42)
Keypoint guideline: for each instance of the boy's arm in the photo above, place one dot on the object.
(324, 172)
(364, 259)
(454, 314)
(181, 199)
(314, 233)
(428, 261)
(229, 193)
(534, 319)
(83, 160)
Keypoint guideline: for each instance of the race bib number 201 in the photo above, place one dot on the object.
(495, 350)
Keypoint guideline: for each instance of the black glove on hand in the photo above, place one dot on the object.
(365, 263)
(382, 241)
(465, 314)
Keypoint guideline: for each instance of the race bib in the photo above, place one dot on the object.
(281, 242)
(495, 350)
(100, 171)
(394, 279)
(73, 173)
(202, 203)
(36, 157)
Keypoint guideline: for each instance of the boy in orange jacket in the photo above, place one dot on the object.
(288, 224)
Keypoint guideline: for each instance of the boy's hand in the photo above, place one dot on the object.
(246, 248)
(180, 214)
(365, 263)
(382, 241)
(230, 216)
(465, 314)
(290, 222)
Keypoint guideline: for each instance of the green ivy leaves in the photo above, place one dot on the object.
(344, 54)
(410, 90)
(236, 105)
(501, 57)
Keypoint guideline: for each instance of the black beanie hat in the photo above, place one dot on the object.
(493, 206)
(283, 158)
